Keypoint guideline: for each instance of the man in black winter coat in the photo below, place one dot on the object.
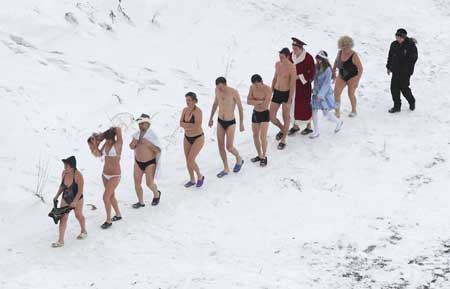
(401, 60)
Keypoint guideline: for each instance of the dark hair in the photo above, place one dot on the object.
(192, 95)
(220, 80)
(110, 134)
(324, 64)
(256, 78)
(285, 51)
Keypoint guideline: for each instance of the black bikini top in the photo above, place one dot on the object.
(192, 120)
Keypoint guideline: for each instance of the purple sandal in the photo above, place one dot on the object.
(222, 174)
(200, 182)
(189, 184)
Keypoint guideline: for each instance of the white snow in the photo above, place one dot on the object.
(310, 219)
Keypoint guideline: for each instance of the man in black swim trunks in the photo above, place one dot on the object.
(259, 97)
(226, 99)
(283, 87)
(146, 151)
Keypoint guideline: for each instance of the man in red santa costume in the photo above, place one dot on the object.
(304, 64)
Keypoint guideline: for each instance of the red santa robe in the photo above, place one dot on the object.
(304, 65)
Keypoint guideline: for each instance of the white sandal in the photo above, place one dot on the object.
(57, 244)
(82, 236)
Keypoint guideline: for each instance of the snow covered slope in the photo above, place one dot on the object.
(367, 208)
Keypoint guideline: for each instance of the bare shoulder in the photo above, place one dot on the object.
(78, 175)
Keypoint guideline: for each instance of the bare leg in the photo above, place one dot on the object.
(150, 180)
(256, 128)
(221, 143)
(263, 136)
(352, 96)
(187, 148)
(110, 187)
(138, 173)
(230, 143)
(79, 215)
(195, 150)
(286, 118)
(273, 115)
(338, 88)
(62, 224)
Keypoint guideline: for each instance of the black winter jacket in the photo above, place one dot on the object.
(402, 57)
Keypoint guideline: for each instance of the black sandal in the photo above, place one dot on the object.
(138, 205)
(293, 130)
(281, 146)
(306, 131)
(155, 201)
(263, 162)
(279, 136)
(115, 218)
(255, 159)
(106, 225)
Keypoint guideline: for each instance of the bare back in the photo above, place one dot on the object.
(227, 103)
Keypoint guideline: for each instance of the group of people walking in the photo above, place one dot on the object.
(297, 79)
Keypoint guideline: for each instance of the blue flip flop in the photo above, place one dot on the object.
(222, 174)
(237, 167)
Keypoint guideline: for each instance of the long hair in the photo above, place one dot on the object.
(323, 65)
(110, 134)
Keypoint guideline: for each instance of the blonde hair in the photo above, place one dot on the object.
(345, 42)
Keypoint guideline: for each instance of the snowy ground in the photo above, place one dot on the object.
(367, 208)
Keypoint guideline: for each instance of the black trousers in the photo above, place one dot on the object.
(400, 83)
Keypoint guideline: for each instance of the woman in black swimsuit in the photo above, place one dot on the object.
(350, 71)
(194, 139)
(71, 189)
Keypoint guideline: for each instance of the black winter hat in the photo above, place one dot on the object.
(401, 32)
(71, 161)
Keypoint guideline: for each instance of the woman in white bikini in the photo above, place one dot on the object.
(110, 151)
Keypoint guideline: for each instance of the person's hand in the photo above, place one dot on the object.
(353, 83)
(388, 72)
(241, 127)
(55, 199)
(73, 204)
(318, 98)
(210, 123)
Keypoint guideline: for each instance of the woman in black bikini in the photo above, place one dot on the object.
(194, 139)
(350, 72)
(110, 151)
(71, 189)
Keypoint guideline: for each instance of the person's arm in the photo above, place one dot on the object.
(251, 99)
(237, 98)
(182, 123)
(213, 110)
(359, 65)
(93, 146)
(58, 193)
(133, 143)
(274, 80)
(293, 79)
(268, 97)
(151, 146)
(333, 69)
(198, 119)
(411, 56)
(80, 183)
(119, 141)
(389, 60)
(309, 74)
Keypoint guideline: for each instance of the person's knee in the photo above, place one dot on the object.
(79, 216)
(230, 148)
(150, 183)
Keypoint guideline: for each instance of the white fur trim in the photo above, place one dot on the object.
(300, 58)
(302, 79)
